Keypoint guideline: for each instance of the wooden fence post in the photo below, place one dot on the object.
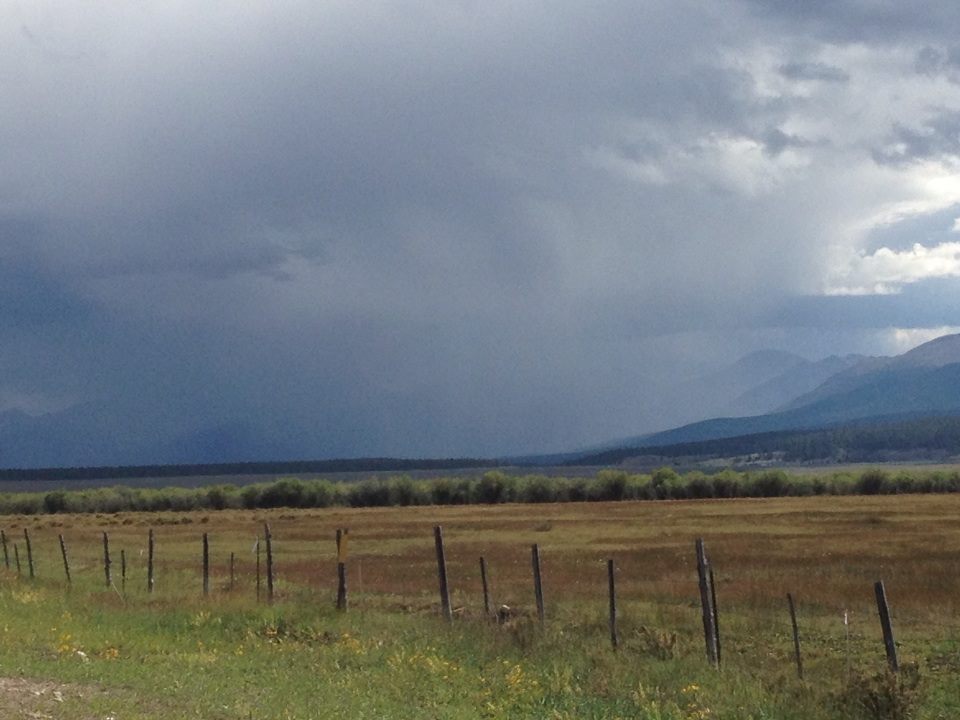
(26, 537)
(66, 563)
(486, 586)
(716, 613)
(106, 560)
(611, 582)
(442, 574)
(537, 583)
(16, 556)
(342, 568)
(885, 623)
(796, 635)
(123, 570)
(150, 562)
(206, 565)
(706, 604)
(257, 550)
(269, 539)
(342, 586)
(6, 553)
(343, 534)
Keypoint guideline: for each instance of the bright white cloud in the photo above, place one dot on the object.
(885, 271)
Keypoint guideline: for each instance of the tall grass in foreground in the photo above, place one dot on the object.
(234, 659)
(492, 487)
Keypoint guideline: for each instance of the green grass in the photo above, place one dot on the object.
(300, 660)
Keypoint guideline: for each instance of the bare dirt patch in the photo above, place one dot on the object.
(28, 699)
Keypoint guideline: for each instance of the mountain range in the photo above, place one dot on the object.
(921, 383)
(765, 398)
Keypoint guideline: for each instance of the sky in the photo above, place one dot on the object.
(270, 230)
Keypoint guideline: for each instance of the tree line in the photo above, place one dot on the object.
(489, 488)
(289, 467)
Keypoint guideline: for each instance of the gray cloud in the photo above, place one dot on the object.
(813, 71)
(933, 61)
(457, 229)
(853, 21)
(936, 137)
(775, 141)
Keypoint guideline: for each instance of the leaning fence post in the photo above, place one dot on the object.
(486, 587)
(611, 582)
(884, 611)
(269, 541)
(106, 560)
(706, 604)
(537, 583)
(796, 635)
(6, 553)
(16, 556)
(342, 569)
(442, 573)
(66, 563)
(206, 565)
(26, 537)
(150, 562)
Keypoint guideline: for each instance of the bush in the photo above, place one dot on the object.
(699, 486)
(871, 482)
(538, 489)
(404, 491)
(664, 476)
(55, 502)
(218, 497)
(887, 696)
(726, 484)
(772, 483)
(610, 485)
(369, 493)
(494, 487)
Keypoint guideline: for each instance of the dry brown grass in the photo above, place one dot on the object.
(827, 550)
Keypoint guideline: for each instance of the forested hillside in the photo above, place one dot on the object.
(924, 438)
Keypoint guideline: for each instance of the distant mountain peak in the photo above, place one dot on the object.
(944, 350)
(924, 381)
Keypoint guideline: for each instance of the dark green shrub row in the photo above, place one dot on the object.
(491, 487)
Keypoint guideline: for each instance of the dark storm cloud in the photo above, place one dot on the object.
(447, 229)
(31, 293)
(855, 21)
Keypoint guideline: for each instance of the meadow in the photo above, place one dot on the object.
(89, 651)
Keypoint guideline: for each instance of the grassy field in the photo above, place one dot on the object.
(93, 652)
